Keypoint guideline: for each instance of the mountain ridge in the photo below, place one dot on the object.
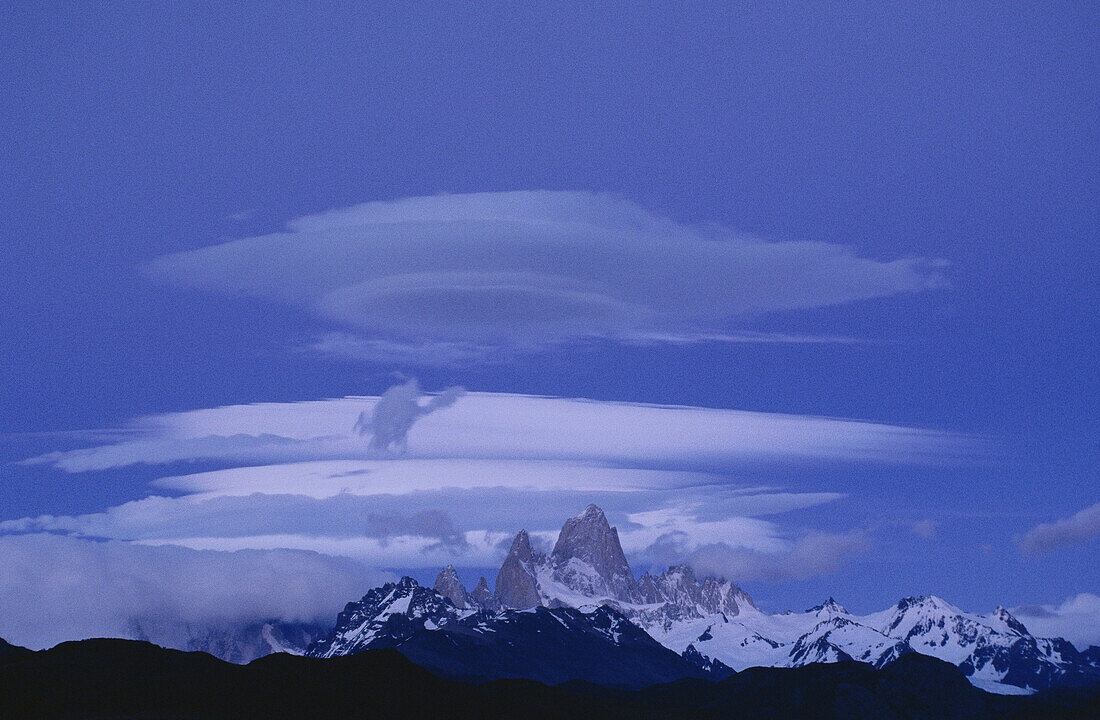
(715, 623)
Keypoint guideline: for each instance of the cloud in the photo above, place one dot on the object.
(1079, 528)
(811, 555)
(478, 472)
(500, 426)
(522, 270)
(58, 588)
(388, 422)
(443, 515)
(340, 516)
(1077, 620)
(348, 346)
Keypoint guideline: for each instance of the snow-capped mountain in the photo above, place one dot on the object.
(393, 612)
(588, 567)
(714, 622)
(579, 612)
(551, 645)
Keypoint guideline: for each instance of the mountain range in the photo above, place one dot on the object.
(579, 612)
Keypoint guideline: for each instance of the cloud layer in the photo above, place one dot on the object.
(1077, 620)
(469, 273)
(59, 588)
(299, 477)
(1079, 528)
(500, 426)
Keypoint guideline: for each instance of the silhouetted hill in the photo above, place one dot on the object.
(130, 679)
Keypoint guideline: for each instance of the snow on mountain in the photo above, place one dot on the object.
(582, 604)
(395, 610)
(551, 645)
(713, 620)
(839, 638)
(482, 596)
(589, 559)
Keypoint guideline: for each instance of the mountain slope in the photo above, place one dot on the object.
(551, 645)
(714, 621)
(386, 614)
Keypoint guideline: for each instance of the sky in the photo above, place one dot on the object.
(804, 296)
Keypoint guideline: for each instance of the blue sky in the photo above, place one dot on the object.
(886, 215)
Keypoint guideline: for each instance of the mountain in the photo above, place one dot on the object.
(516, 584)
(125, 678)
(551, 645)
(449, 586)
(385, 616)
(710, 626)
(483, 597)
(716, 624)
(589, 559)
(995, 652)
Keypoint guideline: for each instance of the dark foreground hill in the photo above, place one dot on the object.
(129, 679)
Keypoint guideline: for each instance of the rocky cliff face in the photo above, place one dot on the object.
(589, 559)
(588, 566)
(516, 583)
(482, 596)
(393, 611)
(715, 625)
(448, 585)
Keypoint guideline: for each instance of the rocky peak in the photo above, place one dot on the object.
(829, 607)
(482, 596)
(684, 595)
(724, 596)
(648, 592)
(590, 538)
(587, 544)
(449, 586)
(394, 609)
(1011, 624)
(516, 584)
(521, 547)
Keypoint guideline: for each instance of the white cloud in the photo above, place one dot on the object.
(421, 513)
(763, 555)
(1079, 528)
(397, 476)
(500, 426)
(1077, 620)
(520, 270)
(58, 588)
(676, 481)
(348, 346)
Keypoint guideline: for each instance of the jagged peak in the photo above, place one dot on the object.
(682, 569)
(482, 584)
(521, 546)
(449, 586)
(829, 605)
(592, 512)
(1010, 621)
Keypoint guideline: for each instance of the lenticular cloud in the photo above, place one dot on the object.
(522, 270)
